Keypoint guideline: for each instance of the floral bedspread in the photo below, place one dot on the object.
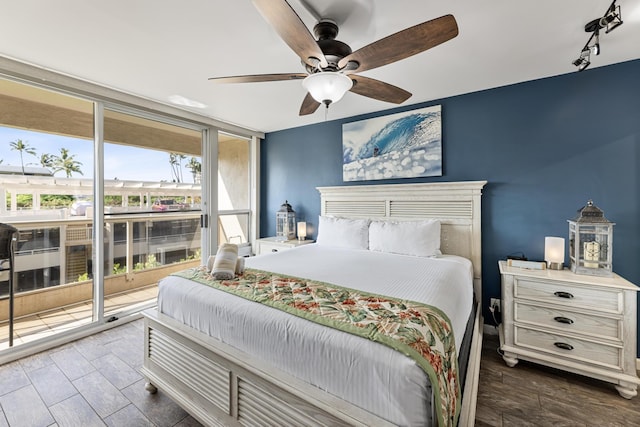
(419, 331)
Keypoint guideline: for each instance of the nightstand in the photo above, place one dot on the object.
(578, 323)
(271, 244)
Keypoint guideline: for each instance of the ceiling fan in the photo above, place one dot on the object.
(330, 64)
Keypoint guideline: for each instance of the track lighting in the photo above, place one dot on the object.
(584, 60)
(611, 20)
(595, 48)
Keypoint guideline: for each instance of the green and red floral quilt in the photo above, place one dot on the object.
(417, 330)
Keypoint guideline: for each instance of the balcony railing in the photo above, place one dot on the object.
(148, 247)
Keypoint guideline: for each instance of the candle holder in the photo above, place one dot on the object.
(554, 252)
(285, 222)
(591, 242)
(302, 231)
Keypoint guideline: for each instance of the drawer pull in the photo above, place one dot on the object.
(274, 250)
(562, 319)
(563, 294)
(563, 345)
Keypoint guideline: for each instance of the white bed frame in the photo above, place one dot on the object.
(219, 385)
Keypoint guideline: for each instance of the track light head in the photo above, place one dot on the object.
(595, 48)
(581, 63)
(612, 19)
(584, 60)
(584, 64)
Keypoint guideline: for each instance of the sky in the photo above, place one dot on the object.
(121, 162)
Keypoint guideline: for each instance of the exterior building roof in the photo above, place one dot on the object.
(28, 170)
(84, 186)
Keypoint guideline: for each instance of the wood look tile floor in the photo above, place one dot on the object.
(95, 381)
(533, 395)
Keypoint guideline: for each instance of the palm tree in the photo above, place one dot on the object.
(65, 162)
(22, 146)
(175, 160)
(46, 160)
(196, 169)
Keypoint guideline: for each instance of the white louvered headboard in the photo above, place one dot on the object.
(455, 204)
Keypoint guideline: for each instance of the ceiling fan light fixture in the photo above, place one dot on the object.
(327, 87)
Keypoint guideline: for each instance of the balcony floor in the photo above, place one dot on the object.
(36, 326)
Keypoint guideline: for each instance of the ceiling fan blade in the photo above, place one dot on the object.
(403, 44)
(376, 89)
(256, 78)
(291, 29)
(309, 105)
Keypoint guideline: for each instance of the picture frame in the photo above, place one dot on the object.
(401, 145)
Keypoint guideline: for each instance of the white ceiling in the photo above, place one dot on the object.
(161, 48)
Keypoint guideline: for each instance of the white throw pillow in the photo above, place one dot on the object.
(343, 232)
(417, 238)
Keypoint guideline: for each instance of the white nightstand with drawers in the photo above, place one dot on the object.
(578, 323)
(272, 244)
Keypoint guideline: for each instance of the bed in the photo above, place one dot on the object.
(234, 379)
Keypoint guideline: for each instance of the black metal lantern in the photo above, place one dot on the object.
(591, 242)
(286, 222)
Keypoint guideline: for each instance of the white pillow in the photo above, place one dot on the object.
(417, 238)
(343, 232)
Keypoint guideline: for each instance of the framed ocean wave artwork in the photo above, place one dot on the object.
(402, 145)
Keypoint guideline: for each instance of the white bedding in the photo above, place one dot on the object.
(341, 363)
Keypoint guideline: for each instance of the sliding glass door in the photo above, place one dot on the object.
(152, 205)
(46, 171)
(106, 202)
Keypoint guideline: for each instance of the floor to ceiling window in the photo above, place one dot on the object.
(46, 168)
(152, 202)
(234, 191)
(151, 192)
(164, 187)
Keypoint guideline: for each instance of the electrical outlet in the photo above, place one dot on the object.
(495, 302)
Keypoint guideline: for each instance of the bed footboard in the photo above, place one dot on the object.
(220, 386)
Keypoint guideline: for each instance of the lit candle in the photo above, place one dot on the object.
(591, 253)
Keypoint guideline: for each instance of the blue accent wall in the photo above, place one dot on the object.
(545, 147)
